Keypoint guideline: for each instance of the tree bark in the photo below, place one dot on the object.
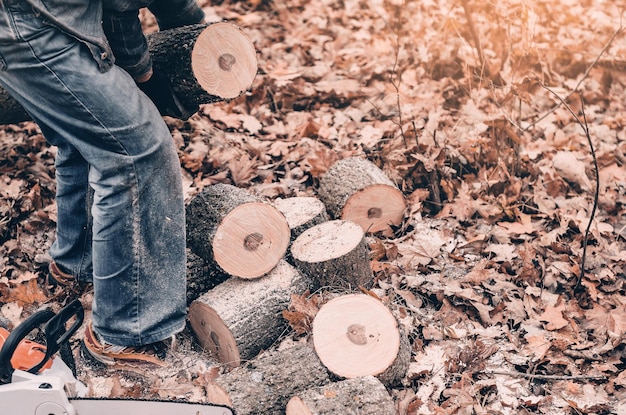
(238, 318)
(335, 254)
(201, 276)
(205, 63)
(266, 383)
(236, 231)
(356, 189)
(363, 396)
(356, 335)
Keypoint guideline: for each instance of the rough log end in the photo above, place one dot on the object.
(251, 240)
(224, 60)
(375, 208)
(356, 335)
(213, 335)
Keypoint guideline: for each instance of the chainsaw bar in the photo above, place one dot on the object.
(122, 406)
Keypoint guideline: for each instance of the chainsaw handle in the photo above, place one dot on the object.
(6, 353)
(56, 333)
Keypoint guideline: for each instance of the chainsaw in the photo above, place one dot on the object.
(34, 382)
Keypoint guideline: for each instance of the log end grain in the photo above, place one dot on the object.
(250, 240)
(328, 240)
(356, 335)
(375, 208)
(213, 334)
(224, 60)
(356, 189)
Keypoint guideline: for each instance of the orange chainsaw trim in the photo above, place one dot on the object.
(27, 353)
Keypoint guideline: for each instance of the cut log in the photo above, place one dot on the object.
(238, 318)
(356, 189)
(335, 254)
(266, 383)
(363, 395)
(357, 335)
(237, 231)
(205, 63)
(301, 213)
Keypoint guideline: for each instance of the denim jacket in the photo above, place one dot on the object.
(82, 20)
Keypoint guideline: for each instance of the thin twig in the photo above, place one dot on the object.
(395, 71)
(545, 377)
(585, 126)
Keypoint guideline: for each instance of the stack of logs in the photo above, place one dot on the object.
(259, 254)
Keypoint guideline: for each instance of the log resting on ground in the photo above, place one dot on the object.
(240, 317)
(265, 384)
(356, 189)
(335, 254)
(363, 395)
(236, 231)
(357, 335)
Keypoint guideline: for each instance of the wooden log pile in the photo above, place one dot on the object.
(265, 252)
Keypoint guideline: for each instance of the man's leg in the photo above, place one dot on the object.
(71, 250)
(138, 212)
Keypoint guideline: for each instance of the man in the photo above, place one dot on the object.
(127, 234)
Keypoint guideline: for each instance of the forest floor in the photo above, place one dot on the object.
(484, 117)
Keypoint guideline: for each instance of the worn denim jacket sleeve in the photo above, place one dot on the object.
(124, 32)
(123, 28)
(82, 20)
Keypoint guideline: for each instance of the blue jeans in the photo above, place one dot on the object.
(119, 193)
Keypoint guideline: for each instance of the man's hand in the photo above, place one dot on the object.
(159, 89)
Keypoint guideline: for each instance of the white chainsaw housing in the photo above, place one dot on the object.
(29, 394)
(46, 394)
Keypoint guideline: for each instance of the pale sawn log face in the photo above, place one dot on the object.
(326, 241)
(301, 210)
(356, 335)
(213, 334)
(375, 208)
(236, 231)
(251, 240)
(224, 61)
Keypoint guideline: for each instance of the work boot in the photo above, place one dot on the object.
(120, 357)
(57, 277)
